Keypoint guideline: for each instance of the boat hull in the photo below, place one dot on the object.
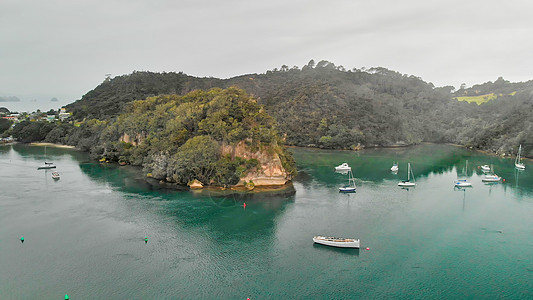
(337, 242)
(520, 166)
(347, 190)
(462, 183)
(406, 184)
(491, 179)
(341, 169)
(46, 167)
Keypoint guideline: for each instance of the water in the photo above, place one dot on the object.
(84, 234)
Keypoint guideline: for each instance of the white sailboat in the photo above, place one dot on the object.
(350, 187)
(463, 182)
(408, 182)
(485, 168)
(47, 165)
(518, 161)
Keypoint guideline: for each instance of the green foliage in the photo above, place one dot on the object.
(5, 124)
(196, 159)
(178, 138)
(28, 131)
(320, 105)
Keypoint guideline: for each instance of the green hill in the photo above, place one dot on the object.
(324, 105)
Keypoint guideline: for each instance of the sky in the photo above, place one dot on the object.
(64, 48)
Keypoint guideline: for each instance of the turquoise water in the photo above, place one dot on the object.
(84, 234)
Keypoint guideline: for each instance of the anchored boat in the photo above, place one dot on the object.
(336, 241)
(408, 182)
(343, 167)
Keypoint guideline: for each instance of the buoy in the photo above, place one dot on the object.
(504, 180)
(244, 205)
(66, 297)
(22, 239)
(367, 249)
(146, 240)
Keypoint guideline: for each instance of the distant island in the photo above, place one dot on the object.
(161, 120)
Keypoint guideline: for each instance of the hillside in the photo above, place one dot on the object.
(324, 105)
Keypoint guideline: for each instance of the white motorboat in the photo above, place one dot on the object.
(485, 168)
(518, 161)
(491, 178)
(394, 167)
(336, 241)
(55, 175)
(350, 187)
(408, 182)
(343, 167)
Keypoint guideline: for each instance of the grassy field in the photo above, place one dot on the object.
(481, 98)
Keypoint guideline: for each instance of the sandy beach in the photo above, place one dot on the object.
(53, 145)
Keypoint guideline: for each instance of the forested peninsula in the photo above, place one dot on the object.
(166, 122)
(216, 137)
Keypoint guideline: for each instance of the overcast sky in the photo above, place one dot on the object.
(64, 48)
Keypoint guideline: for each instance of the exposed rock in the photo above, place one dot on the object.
(135, 141)
(195, 184)
(271, 173)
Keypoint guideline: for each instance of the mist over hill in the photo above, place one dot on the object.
(324, 105)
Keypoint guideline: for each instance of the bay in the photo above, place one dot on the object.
(84, 234)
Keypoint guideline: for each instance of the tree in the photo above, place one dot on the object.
(5, 124)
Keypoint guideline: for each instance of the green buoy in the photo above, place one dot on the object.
(22, 239)
(146, 240)
(66, 297)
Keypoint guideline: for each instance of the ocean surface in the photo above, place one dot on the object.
(84, 235)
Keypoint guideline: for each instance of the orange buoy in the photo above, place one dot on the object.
(244, 205)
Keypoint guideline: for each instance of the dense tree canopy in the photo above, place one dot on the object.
(321, 105)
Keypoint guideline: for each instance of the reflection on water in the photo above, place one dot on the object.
(333, 250)
(85, 233)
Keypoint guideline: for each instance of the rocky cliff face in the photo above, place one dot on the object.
(271, 171)
(135, 141)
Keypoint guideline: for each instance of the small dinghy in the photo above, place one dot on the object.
(336, 241)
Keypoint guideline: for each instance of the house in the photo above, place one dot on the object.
(63, 114)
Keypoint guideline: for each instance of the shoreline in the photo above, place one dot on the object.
(53, 145)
